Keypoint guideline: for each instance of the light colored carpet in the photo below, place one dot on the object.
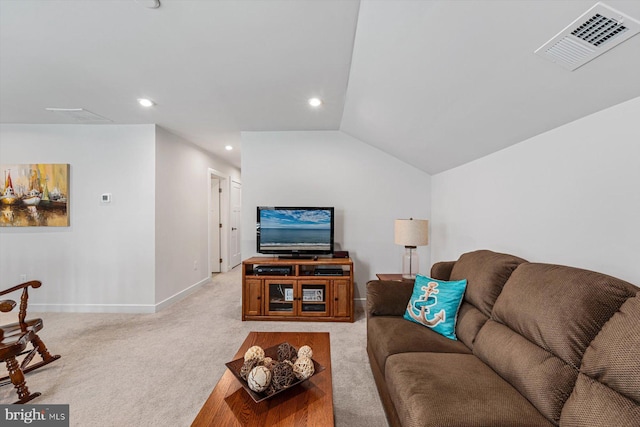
(158, 369)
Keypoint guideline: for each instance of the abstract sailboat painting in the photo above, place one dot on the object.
(34, 195)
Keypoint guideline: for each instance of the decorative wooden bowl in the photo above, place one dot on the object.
(235, 365)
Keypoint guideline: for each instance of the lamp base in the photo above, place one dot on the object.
(409, 263)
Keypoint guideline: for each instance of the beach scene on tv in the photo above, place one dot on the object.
(295, 230)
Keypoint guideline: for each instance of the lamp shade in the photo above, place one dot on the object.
(412, 232)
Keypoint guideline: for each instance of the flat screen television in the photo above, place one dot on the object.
(295, 231)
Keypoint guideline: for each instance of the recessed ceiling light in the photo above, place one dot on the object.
(228, 147)
(315, 102)
(146, 102)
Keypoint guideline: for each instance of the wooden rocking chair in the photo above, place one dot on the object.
(14, 339)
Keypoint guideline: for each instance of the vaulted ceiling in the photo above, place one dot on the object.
(433, 83)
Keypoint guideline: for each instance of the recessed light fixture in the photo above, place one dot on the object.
(228, 147)
(146, 102)
(315, 102)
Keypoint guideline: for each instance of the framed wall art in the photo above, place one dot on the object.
(34, 195)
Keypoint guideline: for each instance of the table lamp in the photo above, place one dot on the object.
(411, 233)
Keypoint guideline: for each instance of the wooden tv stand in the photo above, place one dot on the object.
(300, 289)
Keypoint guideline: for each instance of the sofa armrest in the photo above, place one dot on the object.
(388, 298)
(442, 270)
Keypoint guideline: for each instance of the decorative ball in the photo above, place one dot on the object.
(303, 368)
(305, 351)
(268, 362)
(282, 376)
(287, 352)
(247, 366)
(259, 379)
(270, 390)
(255, 352)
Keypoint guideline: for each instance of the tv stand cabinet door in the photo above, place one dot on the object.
(342, 298)
(253, 297)
(314, 297)
(280, 299)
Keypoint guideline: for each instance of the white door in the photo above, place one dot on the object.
(214, 217)
(234, 240)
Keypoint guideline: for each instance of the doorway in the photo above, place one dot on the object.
(218, 216)
(215, 224)
(234, 239)
(224, 222)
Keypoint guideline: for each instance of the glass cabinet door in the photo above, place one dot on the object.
(280, 297)
(313, 297)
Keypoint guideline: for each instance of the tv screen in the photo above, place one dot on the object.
(295, 231)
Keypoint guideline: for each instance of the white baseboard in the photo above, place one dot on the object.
(93, 308)
(182, 294)
(118, 308)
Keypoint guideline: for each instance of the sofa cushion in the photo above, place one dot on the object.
(560, 308)
(442, 270)
(387, 335)
(541, 325)
(539, 375)
(388, 298)
(613, 357)
(594, 404)
(608, 388)
(486, 273)
(437, 389)
(470, 320)
(435, 303)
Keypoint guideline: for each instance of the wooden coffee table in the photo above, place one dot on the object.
(307, 404)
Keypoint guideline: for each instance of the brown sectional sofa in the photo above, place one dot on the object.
(538, 345)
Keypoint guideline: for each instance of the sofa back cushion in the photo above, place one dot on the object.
(541, 325)
(486, 273)
(607, 391)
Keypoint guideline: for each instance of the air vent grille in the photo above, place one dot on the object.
(79, 115)
(570, 51)
(598, 30)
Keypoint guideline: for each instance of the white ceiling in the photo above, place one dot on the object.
(434, 83)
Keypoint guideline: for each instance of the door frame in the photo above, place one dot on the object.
(215, 247)
(224, 220)
(233, 185)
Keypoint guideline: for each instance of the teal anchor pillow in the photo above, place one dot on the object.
(435, 303)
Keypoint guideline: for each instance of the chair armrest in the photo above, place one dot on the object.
(33, 283)
(388, 298)
(24, 298)
(442, 270)
(7, 305)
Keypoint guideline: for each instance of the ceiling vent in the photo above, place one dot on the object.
(599, 29)
(80, 115)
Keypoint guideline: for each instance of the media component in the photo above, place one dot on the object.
(295, 231)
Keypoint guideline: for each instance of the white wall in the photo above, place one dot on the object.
(105, 260)
(182, 189)
(368, 188)
(568, 196)
(135, 254)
